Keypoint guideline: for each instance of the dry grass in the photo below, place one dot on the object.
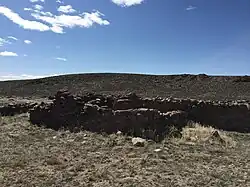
(33, 156)
(196, 133)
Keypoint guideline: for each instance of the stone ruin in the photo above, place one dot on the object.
(12, 109)
(144, 117)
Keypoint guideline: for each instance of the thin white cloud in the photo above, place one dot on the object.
(7, 53)
(35, 1)
(25, 55)
(85, 19)
(127, 3)
(191, 8)
(59, 1)
(38, 7)
(58, 23)
(66, 9)
(22, 77)
(26, 24)
(29, 9)
(12, 37)
(27, 42)
(57, 29)
(38, 11)
(3, 42)
(61, 59)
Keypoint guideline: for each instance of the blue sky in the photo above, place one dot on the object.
(49, 37)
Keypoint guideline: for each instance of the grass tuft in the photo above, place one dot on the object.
(196, 133)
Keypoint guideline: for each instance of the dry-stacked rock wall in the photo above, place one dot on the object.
(151, 118)
(15, 108)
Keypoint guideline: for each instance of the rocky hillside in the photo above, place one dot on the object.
(178, 86)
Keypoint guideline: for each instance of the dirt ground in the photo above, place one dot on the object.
(39, 157)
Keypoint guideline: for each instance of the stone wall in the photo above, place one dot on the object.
(14, 105)
(15, 108)
(150, 118)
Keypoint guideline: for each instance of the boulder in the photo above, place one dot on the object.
(139, 142)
